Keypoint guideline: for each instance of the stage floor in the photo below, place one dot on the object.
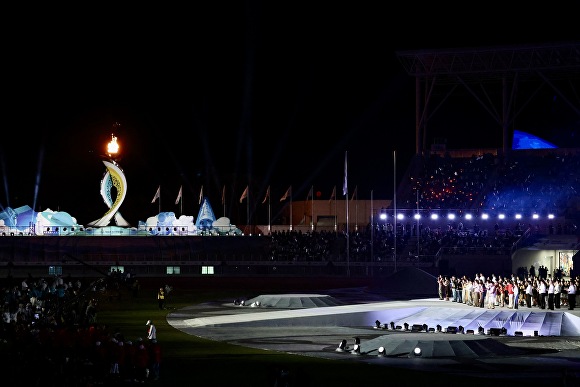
(315, 325)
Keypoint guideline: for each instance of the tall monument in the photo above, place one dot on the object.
(114, 177)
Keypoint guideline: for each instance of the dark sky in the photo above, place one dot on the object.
(230, 95)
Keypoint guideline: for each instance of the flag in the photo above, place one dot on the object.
(345, 184)
(224, 195)
(310, 194)
(157, 194)
(288, 193)
(179, 195)
(267, 195)
(200, 194)
(355, 193)
(244, 194)
(333, 195)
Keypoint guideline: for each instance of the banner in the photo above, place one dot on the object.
(157, 194)
(244, 194)
(179, 195)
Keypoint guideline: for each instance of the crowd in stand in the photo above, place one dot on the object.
(537, 184)
(50, 329)
(378, 244)
(542, 183)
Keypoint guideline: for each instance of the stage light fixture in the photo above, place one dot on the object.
(518, 333)
(470, 332)
(480, 330)
(356, 350)
(460, 329)
(341, 346)
(377, 324)
(243, 303)
(381, 351)
(451, 329)
(356, 340)
(406, 325)
(417, 351)
(417, 327)
(425, 328)
(431, 329)
(438, 328)
(398, 327)
(503, 331)
(392, 325)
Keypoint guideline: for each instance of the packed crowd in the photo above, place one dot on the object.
(543, 183)
(50, 331)
(543, 292)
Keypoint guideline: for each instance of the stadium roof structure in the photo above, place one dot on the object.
(479, 70)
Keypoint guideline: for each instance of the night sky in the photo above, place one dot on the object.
(248, 93)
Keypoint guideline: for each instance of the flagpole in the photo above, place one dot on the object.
(269, 211)
(159, 199)
(312, 208)
(248, 208)
(335, 228)
(395, 202)
(290, 208)
(356, 209)
(346, 197)
(372, 231)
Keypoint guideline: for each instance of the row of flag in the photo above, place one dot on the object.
(287, 194)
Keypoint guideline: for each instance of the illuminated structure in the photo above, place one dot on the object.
(114, 177)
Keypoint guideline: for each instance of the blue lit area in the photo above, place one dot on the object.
(523, 140)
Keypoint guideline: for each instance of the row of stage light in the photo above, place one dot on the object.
(412, 214)
(355, 349)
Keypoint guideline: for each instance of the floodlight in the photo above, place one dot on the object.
(356, 350)
(484, 216)
(381, 351)
(341, 346)
(480, 330)
(438, 328)
(417, 351)
(356, 340)
(377, 324)
(392, 325)
(406, 325)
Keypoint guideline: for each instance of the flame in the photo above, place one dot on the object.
(113, 146)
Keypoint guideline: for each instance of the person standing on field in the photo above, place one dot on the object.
(161, 298)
